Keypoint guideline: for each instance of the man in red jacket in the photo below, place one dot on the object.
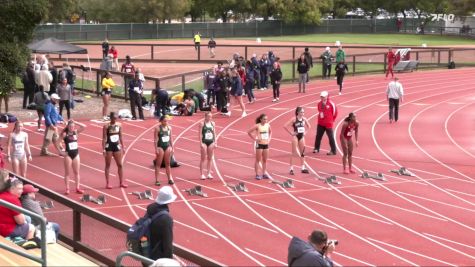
(391, 57)
(327, 113)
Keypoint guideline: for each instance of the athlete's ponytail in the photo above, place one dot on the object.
(351, 115)
(298, 110)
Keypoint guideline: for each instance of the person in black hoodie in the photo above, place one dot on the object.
(275, 78)
(314, 253)
(161, 229)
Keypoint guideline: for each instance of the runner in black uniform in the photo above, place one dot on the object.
(299, 126)
(71, 156)
(207, 136)
(112, 146)
(163, 148)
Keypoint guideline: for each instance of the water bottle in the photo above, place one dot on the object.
(144, 246)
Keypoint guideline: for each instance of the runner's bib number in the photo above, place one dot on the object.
(264, 136)
(209, 136)
(300, 129)
(165, 139)
(19, 147)
(73, 145)
(114, 138)
(128, 70)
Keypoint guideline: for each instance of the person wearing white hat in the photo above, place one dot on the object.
(327, 113)
(161, 229)
(327, 58)
(52, 118)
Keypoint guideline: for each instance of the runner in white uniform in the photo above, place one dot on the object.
(18, 149)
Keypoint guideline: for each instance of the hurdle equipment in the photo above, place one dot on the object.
(147, 194)
(196, 191)
(101, 199)
(289, 183)
(379, 176)
(46, 205)
(403, 171)
(240, 187)
(330, 180)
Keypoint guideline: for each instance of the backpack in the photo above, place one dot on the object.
(7, 117)
(451, 65)
(138, 235)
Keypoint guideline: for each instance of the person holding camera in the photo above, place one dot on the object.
(315, 252)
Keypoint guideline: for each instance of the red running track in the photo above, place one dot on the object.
(422, 220)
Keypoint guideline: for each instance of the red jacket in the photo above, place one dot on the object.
(391, 58)
(327, 113)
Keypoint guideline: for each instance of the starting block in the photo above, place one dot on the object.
(379, 176)
(403, 171)
(48, 204)
(101, 199)
(285, 184)
(240, 187)
(330, 180)
(196, 191)
(143, 195)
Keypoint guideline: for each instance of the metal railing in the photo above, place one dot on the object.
(91, 221)
(118, 261)
(42, 260)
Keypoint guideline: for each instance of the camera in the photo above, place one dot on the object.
(332, 241)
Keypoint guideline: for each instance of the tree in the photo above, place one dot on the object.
(304, 11)
(461, 7)
(18, 19)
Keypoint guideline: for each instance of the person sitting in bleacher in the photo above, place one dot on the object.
(13, 223)
(28, 201)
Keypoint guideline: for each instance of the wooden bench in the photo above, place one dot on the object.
(57, 255)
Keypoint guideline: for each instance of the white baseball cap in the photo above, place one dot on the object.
(327, 48)
(165, 195)
(324, 94)
(55, 96)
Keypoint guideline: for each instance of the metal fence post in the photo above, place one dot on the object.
(183, 81)
(245, 52)
(354, 65)
(293, 63)
(76, 227)
(151, 51)
(157, 83)
(438, 57)
(131, 31)
(98, 82)
(385, 61)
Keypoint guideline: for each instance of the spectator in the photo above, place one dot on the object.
(340, 54)
(29, 202)
(141, 76)
(69, 74)
(265, 67)
(212, 47)
(209, 85)
(220, 85)
(161, 99)
(250, 78)
(161, 236)
(399, 24)
(391, 57)
(129, 69)
(115, 57)
(302, 68)
(44, 78)
(327, 113)
(105, 48)
(257, 68)
(29, 85)
(106, 63)
(237, 91)
(218, 68)
(65, 96)
(107, 85)
(326, 63)
(394, 94)
(275, 78)
(309, 60)
(13, 223)
(18, 150)
(197, 40)
(40, 100)
(51, 119)
(314, 253)
(54, 74)
(135, 93)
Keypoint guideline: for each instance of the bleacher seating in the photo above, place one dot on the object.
(57, 255)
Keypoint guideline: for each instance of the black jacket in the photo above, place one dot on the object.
(301, 253)
(302, 66)
(276, 75)
(161, 239)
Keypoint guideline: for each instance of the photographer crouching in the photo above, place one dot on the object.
(315, 252)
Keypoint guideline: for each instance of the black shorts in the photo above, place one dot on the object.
(208, 143)
(262, 146)
(73, 154)
(106, 92)
(112, 147)
(299, 136)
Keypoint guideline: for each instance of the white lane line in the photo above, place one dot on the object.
(234, 217)
(290, 214)
(188, 226)
(451, 241)
(461, 193)
(267, 257)
(295, 180)
(351, 258)
(411, 252)
(397, 207)
(450, 136)
(436, 201)
(343, 210)
(202, 185)
(135, 125)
